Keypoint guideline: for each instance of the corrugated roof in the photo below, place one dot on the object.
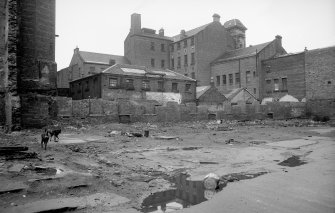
(92, 57)
(241, 53)
(234, 23)
(190, 32)
(133, 70)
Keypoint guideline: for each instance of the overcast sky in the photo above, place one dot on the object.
(102, 25)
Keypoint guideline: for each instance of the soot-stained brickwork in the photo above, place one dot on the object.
(28, 68)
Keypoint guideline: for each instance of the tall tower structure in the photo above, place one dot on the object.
(237, 31)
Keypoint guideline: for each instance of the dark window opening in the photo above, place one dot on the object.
(130, 84)
(113, 82)
(162, 63)
(185, 61)
(231, 81)
(192, 41)
(237, 78)
(172, 63)
(217, 80)
(192, 58)
(175, 87)
(185, 43)
(152, 46)
(179, 62)
(160, 86)
(276, 84)
(178, 46)
(193, 75)
(172, 47)
(224, 79)
(247, 77)
(188, 88)
(146, 85)
(284, 84)
(163, 47)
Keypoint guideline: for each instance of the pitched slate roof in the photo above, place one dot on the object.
(190, 32)
(201, 90)
(241, 53)
(100, 58)
(233, 93)
(234, 23)
(134, 70)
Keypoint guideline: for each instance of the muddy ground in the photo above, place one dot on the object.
(102, 168)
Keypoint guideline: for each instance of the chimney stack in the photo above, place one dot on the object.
(278, 40)
(76, 50)
(182, 34)
(135, 23)
(216, 17)
(161, 32)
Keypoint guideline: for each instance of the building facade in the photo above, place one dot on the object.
(241, 68)
(189, 53)
(84, 64)
(135, 83)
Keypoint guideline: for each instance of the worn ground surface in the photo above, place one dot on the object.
(289, 167)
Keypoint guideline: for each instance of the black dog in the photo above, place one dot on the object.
(54, 133)
(44, 139)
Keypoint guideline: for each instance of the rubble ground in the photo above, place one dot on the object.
(102, 160)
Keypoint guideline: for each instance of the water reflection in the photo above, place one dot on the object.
(185, 194)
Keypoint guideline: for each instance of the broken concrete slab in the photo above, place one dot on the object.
(297, 143)
(71, 203)
(16, 167)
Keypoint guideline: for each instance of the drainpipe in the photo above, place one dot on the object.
(239, 71)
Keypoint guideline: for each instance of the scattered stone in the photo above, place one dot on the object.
(16, 168)
(211, 181)
(166, 137)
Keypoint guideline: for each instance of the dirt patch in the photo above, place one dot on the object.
(292, 161)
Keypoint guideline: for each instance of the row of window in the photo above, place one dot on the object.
(185, 44)
(277, 85)
(153, 63)
(231, 78)
(153, 46)
(185, 61)
(129, 84)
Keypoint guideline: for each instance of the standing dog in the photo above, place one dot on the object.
(54, 133)
(44, 139)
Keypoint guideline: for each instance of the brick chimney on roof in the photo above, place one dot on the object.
(135, 26)
(216, 17)
(182, 34)
(161, 32)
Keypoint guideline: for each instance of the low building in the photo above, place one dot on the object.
(132, 82)
(240, 95)
(84, 64)
(209, 95)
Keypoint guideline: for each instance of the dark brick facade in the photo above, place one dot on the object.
(30, 55)
(284, 75)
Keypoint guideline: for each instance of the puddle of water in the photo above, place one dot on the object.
(187, 193)
(292, 161)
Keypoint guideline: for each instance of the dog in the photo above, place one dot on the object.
(44, 139)
(54, 133)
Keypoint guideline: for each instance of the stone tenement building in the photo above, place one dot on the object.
(27, 65)
(189, 53)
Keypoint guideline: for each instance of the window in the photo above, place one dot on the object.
(174, 87)
(87, 88)
(224, 79)
(186, 74)
(160, 86)
(113, 82)
(152, 46)
(193, 75)
(247, 77)
(163, 47)
(185, 61)
(185, 43)
(255, 90)
(237, 78)
(178, 46)
(254, 74)
(284, 84)
(130, 84)
(172, 47)
(231, 81)
(217, 80)
(152, 62)
(192, 41)
(172, 63)
(92, 69)
(162, 63)
(188, 88)
(276, 84)
(179, 62)
(145, 85)
(192, 59)
(268, 82)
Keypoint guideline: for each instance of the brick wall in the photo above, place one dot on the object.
(321, 107)
(292, 68)
(320, 73)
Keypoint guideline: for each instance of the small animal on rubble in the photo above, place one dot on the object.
(44, 139)
(54, 132)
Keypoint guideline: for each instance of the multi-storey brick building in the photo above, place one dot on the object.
(241, 68)
(189, 53)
